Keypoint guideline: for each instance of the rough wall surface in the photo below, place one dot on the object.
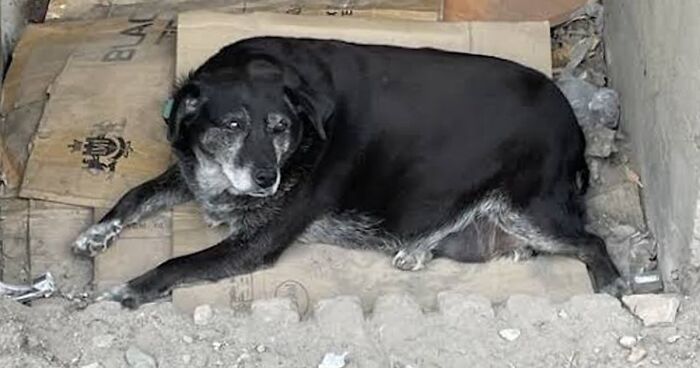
(652, 49)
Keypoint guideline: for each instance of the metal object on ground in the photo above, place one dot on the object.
(41, 287)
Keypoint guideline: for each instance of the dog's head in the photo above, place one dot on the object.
(243, 123)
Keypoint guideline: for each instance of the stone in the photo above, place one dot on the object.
(103, 341)
(627, 342)
(673, 339)
(509, 334)
(397, 317)
(186, 358)
(187, 339)
(525, 310)
(261, 349)
(202, 315)
(139, 359)
(636, 355)
(653, 309)
(275, 310)
(600, 141)
(341, 318)
(333, 360)
(457, 307)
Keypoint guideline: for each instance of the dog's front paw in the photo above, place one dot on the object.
(146, 288)
(413, 260)
(97, 238)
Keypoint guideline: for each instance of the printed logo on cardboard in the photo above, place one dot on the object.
(103, 148)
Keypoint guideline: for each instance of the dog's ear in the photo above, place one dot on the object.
(185, 106)
(317, 106)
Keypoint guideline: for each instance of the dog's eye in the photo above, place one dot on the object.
(277, 123)
(233, 124)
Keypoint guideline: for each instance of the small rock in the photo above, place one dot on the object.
(636, 355)
(628, 342)
(653, 309)
(562, 314)
(217, 345)
(92, 365)
(202, 315)
(673, 339)
(186, 358)
(187, 339)
(333, 360)
(102, 341)
(261, 348)
(509, 334)
(599, 141)
(138, 359)
(281, 311)
(596, 351)
(655, 362)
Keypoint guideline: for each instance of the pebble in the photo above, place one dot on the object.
(261, 348)
(202, 315)
(92, 365)
(103, 341)
(333, 360)
(655, 362)
(187, 339)
(138, 359)
(673, 339)
(653, 309)
(186, 358)
(627, 342)
(509, 334)
(636, 355)
(217, 345)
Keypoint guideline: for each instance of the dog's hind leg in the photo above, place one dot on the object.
(556, 229)
(148, 198)
(420, 250)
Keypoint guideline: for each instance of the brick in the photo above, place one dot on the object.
(277, 310)
(14, 235)
(341, 318)
(459, 307)
(398, 317)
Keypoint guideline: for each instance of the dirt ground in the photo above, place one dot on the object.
(462, 331)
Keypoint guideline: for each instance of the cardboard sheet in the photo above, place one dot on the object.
(101, 132)
(201, 34)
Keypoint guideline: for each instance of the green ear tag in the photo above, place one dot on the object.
(168, 108)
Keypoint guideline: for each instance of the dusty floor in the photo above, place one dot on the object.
(464, 331)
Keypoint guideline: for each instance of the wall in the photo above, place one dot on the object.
(654, 57)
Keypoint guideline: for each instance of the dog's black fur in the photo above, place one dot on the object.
(401, 149)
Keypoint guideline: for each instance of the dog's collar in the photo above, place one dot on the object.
(167, 109)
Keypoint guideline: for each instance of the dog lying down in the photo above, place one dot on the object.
(389, 148)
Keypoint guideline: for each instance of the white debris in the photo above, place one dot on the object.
(673, 339)
(636, 355)
(92, 365)
(653, 309)
(333, 360)
(261, 348)
(187, 339)
(509, 334)
(202, 315)
(186, 358)
(628, 342)
(138, 359)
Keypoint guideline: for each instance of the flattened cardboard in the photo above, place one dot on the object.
(429, 10)
(201, 34)
(555, 11)
(52, 229)
(40, 55)
(14, 236)
(138, 249)
(101, 132)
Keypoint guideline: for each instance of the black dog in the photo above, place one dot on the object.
(370, 146)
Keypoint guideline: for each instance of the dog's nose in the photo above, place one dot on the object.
(265, 178)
